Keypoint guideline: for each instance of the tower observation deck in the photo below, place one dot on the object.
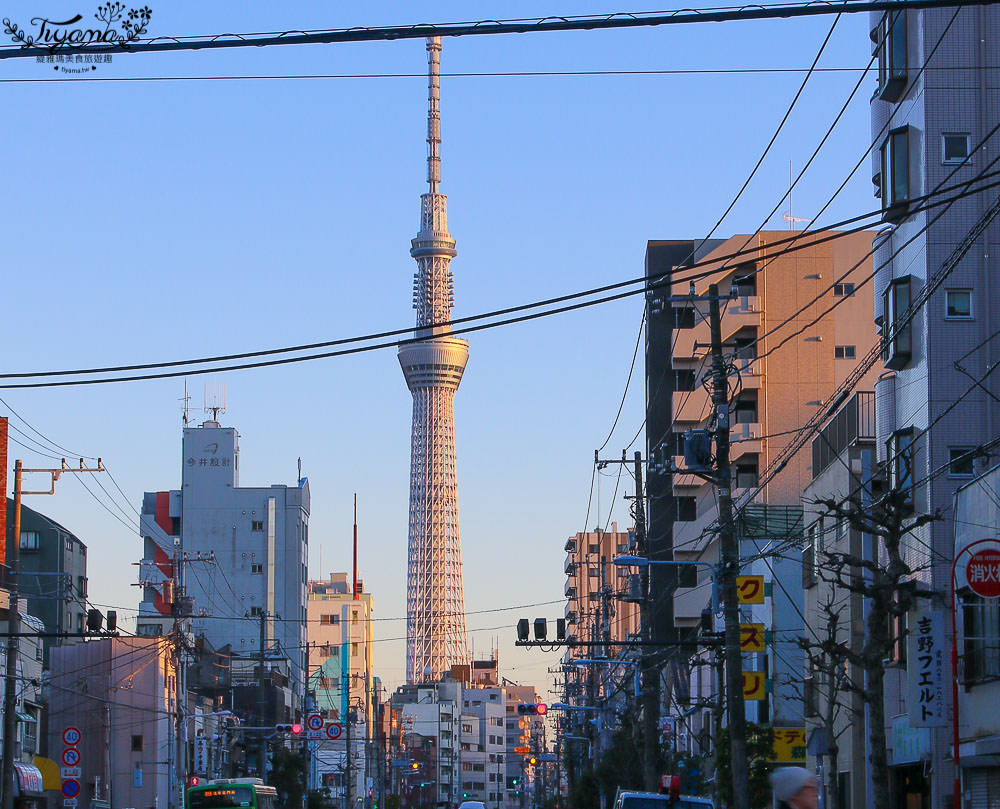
(433, 367)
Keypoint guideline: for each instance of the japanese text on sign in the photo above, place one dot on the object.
(750, 589)
(789, 745)
(983, 573)
(926, 693)
(754, 685)
(751, 637)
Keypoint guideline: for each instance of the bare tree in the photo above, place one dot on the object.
(886, 582)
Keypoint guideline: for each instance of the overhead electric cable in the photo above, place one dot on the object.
(493, 27)
(820, 239)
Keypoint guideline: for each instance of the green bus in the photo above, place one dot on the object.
(231, 793)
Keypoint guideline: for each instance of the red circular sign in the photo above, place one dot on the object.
(71, 736)
(983, 573)
(70, 757)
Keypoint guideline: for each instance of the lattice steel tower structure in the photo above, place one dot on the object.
(433, 367)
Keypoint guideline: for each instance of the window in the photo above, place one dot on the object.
(843, 290)
(958, 304)
(79, 622)
(29, 540)
(684, 318)
(960, 462)
(844, 352)
(954, 147)
(747, 284)
(890, 39)
(746, 347)
(687, 576)
(329, 620)
(137, 743)
(687, 509)
(256, 525)
(900, 455)
(256, 612)
(746, 475)
(895, 177)
(81, 586)
(593, 548)
(684, 379)
(746, 408)
(897, 336)
(981, 618)
(354, 616)
(593, 573)
(256, 567)
(354, 648)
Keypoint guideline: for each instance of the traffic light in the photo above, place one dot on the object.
(112, 620)
(540, 628)
(94, 620)
(532, 761)
(295, 729)
(533, 709)
(522, 629)
(560, 629)
(414, 766)
(193, 781)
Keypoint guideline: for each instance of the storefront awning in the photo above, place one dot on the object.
(50, 773)
(28, 781)
(25, 717)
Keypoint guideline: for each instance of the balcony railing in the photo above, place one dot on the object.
(854, 422)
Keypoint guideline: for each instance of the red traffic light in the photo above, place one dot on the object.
(542, 708)
(193, 781)
(296, 729)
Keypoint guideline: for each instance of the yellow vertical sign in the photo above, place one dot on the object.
(750, 589)
(754, 685)
(751, 638)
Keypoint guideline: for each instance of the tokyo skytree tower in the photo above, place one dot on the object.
(433, 367)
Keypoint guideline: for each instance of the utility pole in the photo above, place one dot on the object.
(349, 792)
(730, 557)
(14, 623)
(650, 679)
(262, 701)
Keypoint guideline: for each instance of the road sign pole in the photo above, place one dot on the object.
(956, 760)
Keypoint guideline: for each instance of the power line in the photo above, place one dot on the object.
(464, 330)
(614, 20)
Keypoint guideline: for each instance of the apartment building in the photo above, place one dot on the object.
(843, 463)
(590, 571)
(793, 328)
(524, 732)
(935, 102)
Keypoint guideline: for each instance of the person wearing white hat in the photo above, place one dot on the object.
(794, 788)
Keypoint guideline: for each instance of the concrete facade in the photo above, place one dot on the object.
(923, 121)
(245, 552)
(52, 575)
(843, 459)
(119, 693)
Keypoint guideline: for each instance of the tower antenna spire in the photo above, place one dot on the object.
(433, 113)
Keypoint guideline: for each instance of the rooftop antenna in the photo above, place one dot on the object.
(300, 469)
(791, 220)
(354, 585)
(215, 399)
(186, 399)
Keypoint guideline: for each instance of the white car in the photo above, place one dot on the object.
(653, 800)
(472, 805)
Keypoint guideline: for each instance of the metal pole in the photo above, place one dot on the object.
(349, 793)
(262, 701)
(650, 680)
(10, 678)
(730, 556)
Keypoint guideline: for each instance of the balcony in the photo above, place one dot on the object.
(854, 422)
(570, 589)
(570, 616)
(685, 481)
(570, 546)
(691, 407)
(569, 567)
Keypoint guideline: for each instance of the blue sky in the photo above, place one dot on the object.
(152, 221)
